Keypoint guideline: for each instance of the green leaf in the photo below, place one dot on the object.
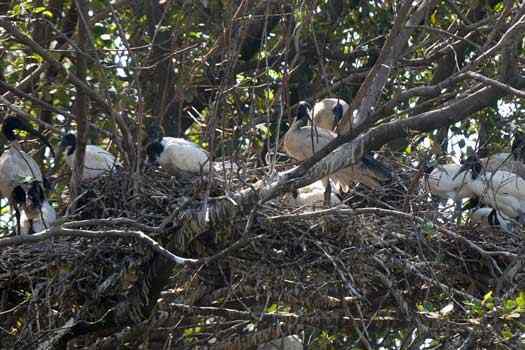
(433, 18)
(487, 298)
(520, 300)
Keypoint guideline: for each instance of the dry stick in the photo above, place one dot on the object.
(111, 222)
(81, 103)
(444, 32)
(346, 211)
(64, 232)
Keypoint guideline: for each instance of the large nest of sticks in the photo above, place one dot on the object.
(385, 258)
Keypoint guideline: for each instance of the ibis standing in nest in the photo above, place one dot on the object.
(310, 196)
(17, 168)
(97, 161)
(328, 112)
(442, 182)
(37, 212)
(501, 190)
(177, 155)
(491, 217)
(302, 141)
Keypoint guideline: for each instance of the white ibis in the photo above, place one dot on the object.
(310, 196)
(17, 168)
(501, 190)
(441, 182)
(176, 155)
(301, 142)
(491, 217)
(37, 214)
(97, 161)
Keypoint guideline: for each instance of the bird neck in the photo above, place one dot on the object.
(15, 144)
(71, 149)
(298, 123)
(493, 218)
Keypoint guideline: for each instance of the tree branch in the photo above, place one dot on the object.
(496, 83)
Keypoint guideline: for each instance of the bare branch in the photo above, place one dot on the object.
(496, 83)
(56, 232)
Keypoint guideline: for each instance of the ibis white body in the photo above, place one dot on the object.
(491, 217)
(183, 155)
(16, 167)
(35, 221)
(97, 162)
(441, 183)
(323, 116)
(311, 195)
(301, 143)
(501, 190)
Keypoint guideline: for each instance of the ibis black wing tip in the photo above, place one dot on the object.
(378, 167)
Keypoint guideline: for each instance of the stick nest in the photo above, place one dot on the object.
(387, 260)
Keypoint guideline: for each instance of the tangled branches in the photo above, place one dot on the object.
(351, 271)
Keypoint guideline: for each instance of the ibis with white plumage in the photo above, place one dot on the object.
(177, 155)
(97, 161)
(312, 195)
(501, 190)
(37, 213)
(441, 182)
(491, 217)
(302, 141)
(17, 168)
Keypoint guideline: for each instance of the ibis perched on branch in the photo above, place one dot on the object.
(501, 190)
(302, 141)
(17, 168)
(97, 161)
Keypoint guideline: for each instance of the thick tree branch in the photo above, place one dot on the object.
(365, 103)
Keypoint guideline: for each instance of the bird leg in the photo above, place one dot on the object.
(328, 194)
(17, 216)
